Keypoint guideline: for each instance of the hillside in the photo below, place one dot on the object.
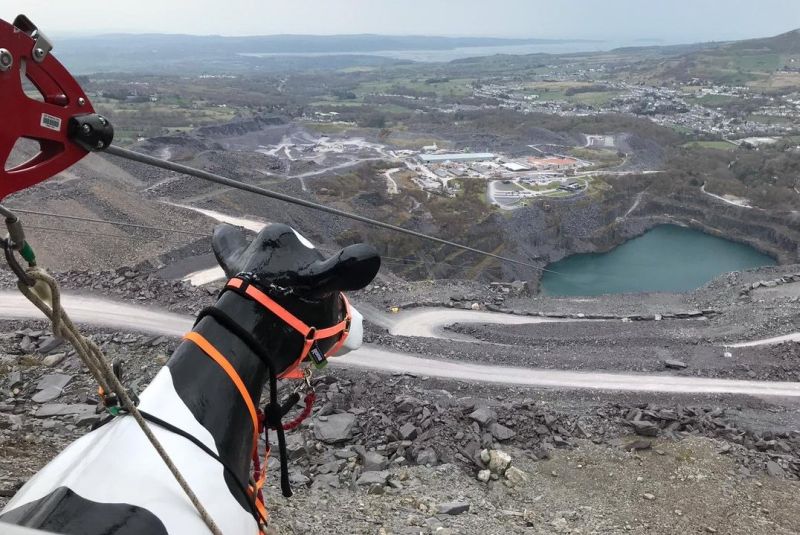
(785, 43)
(750, 62)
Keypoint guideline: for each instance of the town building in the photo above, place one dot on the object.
(456, 157)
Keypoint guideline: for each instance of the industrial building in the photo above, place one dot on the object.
(456, 157)
(516, 166)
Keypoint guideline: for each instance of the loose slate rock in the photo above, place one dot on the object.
(640, 444)
(501, 432)
(27, 345)
(774, 469)
(15, 379)
(62, 409)
(408, 431)
(50, 387)
(483, 415)
(335, 428)
(427, 456)
(645, 428)
(453, 508)
(54, 359)
(378, 477)
(516, 477)
(675, 364)
(49, 344)
(374, 461)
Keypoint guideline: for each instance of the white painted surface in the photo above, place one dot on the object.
(116, 462)
(9, 529)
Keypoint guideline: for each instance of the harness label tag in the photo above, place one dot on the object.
(51, 122)
(316, 354)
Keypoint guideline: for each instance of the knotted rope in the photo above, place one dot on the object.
(46, 296)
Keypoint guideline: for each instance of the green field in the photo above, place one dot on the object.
(597, 98)
(770, 119)
(450, 87)
(147, 119)
(542, 187)
(550, 91)
(734, 68)
(718, 145)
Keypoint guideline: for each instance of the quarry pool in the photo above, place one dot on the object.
(667, 258)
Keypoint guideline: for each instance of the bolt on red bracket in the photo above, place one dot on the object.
(64, 113)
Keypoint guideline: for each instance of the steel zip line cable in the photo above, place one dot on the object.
(219, 179)
(80, 232)
(390, 259)
(107, 222)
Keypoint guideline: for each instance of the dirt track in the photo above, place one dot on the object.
(110, 314)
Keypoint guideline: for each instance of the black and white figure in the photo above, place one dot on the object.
(111, 481)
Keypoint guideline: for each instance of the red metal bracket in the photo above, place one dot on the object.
(24, 117)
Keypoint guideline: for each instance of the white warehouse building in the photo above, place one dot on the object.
(456, 157)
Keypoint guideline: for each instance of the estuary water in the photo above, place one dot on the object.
(667, 258)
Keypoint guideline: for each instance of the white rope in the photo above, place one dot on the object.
(46, 296)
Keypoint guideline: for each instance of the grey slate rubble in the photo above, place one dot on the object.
(453, 508)
(335, 427)
(377, 477)
(373, 461)
(483, 415)
(50, 387)
(400, 420)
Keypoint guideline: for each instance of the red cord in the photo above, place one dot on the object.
(309, 402)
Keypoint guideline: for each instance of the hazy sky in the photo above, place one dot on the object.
(670, 20)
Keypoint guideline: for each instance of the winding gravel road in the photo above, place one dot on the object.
(430, 322)
(420, 322)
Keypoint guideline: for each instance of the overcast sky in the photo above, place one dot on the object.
(669, 20)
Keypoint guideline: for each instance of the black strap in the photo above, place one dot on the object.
(260, 520)
(273, 410)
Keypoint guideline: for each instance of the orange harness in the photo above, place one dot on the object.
(294, 371)
(311, 334)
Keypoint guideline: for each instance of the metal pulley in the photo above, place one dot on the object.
(25, 53)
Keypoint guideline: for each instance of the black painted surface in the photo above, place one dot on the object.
(63, 511)
(298, 278)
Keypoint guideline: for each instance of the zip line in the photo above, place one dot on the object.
(107, 222)
(388, 259)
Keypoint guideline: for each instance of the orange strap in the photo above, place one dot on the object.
(311, 334)
(217, 357)
(254, 488)
(348, 318)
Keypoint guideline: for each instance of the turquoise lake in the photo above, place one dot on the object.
(667, 258)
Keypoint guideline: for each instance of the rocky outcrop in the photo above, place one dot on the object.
(550, 231)
(237, 128)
